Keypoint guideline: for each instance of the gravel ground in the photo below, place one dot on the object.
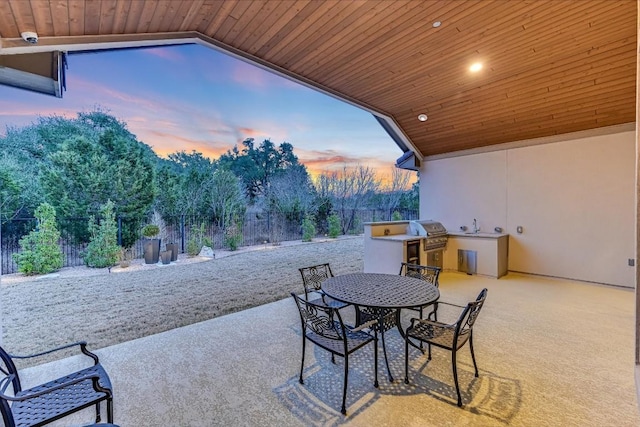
(105, 308)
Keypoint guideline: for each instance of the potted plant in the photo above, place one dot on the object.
(151, 246)
(173, 248)
(165, 256)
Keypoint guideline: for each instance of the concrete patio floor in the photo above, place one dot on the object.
(550, 352)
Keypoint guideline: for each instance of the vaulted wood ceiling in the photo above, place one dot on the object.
(550, 66)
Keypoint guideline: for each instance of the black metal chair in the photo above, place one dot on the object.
(428, 274)
(312, 278)
(45, 403)
(450, 337)
(323, 326)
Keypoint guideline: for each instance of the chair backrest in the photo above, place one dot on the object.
(8, 368)
(470, 314)
(320, 320)
(427, 273)
(312, 277)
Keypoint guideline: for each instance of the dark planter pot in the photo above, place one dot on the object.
(173, 247)
(166, 257)
(152, 251)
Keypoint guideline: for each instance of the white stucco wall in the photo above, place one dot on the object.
(574, 200)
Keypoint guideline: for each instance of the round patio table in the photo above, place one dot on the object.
(379, 290)
(383, 293)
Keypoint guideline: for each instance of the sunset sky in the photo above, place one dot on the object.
(192, 97)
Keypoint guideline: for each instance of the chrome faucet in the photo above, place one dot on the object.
(475, 226)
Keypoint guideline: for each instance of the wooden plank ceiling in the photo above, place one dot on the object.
(549, 66)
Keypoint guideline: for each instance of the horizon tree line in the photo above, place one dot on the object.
(78, 164)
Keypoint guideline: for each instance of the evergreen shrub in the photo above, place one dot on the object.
(334, 226)
(103, 250)
(308, 229)
(40, 253)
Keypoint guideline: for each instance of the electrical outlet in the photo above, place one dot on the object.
(632, 262)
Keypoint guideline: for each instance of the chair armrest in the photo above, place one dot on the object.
(450, 303)
(370, 324)
(95, 376)
(417, 320)
(83, 349)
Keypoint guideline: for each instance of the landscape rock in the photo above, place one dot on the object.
(207, 252)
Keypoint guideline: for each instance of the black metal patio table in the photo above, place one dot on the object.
(381, 292)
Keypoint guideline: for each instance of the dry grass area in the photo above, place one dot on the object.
(108, 308)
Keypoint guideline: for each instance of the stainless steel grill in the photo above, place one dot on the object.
(434, 235)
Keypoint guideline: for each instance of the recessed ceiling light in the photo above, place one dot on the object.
(422, 117)
(436, 24)
(475, 67)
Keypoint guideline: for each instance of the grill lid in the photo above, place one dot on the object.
(427, 228)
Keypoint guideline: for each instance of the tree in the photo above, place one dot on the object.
(40, 253)
(349, 190)
(292, 193)
(103, 250)
(258, 166)
(395, 189)
(84, 174)
(226, 198)
(192, 173)
(10, 192)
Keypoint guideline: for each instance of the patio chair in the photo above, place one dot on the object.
(55, 399)
(323, 326)
(450, 337)
(428, 274)
(312, 278)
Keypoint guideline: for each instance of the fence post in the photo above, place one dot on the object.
(182, 231)
(119, 230)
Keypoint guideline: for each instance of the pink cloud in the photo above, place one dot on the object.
(165, 143)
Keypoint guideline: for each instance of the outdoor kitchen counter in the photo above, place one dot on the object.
(479, 235)
(492, 252)
(398, 237)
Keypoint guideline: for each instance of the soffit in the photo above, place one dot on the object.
(550, 67)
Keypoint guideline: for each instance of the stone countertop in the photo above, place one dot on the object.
(477, 235)
(398, 237)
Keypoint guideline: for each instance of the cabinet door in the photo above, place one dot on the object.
(467, 261)
(434, 259)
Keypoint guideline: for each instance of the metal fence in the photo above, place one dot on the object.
(267, 228)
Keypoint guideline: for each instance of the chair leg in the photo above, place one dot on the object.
(110, 410)
(304, 342)
(421, 314)
(386, 360)
(333, 358)
(98, 413)
(344, 390)
(375, 358)
(429, 347)
(406, 360)
(473, 356)
(455, 376)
